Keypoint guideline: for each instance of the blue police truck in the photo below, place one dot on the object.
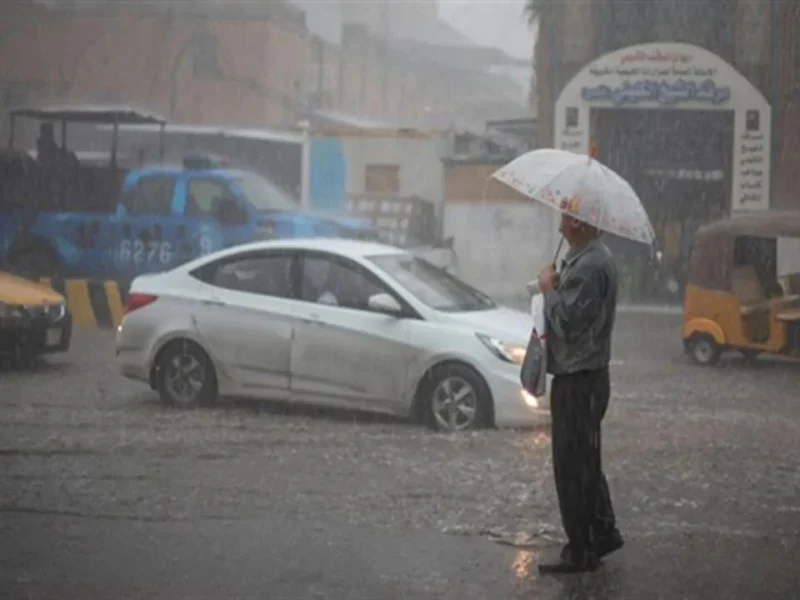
(63, 216)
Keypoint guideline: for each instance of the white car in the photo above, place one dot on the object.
(334, 322)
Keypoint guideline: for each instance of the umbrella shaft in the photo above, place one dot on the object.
(558, 251)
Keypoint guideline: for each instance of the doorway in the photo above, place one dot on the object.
(680, 164)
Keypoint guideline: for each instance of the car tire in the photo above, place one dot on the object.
(455, 398)
(38, 260)
(185, 375)
(703, 350)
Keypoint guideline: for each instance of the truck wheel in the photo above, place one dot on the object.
(703, 349)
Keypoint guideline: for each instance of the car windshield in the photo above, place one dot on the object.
(263, 194)
(431, 285)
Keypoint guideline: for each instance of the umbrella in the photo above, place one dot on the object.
(580, 186)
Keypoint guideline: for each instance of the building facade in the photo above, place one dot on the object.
(758, 41)
(253, 64)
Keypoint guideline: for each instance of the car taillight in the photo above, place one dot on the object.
(135, 301)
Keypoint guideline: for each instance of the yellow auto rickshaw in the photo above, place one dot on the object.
(743, 287)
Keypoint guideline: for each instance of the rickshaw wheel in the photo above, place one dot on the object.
(703, 349)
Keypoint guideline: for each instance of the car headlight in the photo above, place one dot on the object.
(513, 353)
(11, 311)
(56, 312)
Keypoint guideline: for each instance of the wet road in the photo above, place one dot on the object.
(103, 493)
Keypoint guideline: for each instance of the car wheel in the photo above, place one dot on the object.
(36, 261)
(185, 375)
(703, 349)
(456, 399)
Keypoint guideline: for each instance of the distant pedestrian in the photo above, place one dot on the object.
(580, 309)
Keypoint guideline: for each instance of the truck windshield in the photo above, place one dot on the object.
(263, 194)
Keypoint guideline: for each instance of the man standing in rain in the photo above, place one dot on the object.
(579, 312)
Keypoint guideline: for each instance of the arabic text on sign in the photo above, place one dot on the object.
(686, 174)
(749, 198)
(753, 160)
(662, 92)
(656, 56)
(668, 72)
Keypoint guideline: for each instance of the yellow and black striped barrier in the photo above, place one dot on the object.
(93, 304)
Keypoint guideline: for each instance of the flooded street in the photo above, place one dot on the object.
(340, 201)
(107, 494)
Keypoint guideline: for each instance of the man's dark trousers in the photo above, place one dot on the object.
(578, 404)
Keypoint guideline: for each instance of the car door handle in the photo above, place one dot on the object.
(312, 320)
(213, 302)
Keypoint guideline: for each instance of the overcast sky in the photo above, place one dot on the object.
(491, 22)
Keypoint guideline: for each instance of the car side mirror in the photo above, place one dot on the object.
(384, 303)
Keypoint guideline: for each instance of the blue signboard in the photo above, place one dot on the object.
(661, 92)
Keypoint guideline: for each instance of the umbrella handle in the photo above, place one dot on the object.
(558, 251)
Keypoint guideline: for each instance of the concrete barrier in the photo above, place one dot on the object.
(93, 304)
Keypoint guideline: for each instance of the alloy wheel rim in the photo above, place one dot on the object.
(454, 404)
(185, 378)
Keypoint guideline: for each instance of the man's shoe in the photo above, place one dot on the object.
(570, 566)
(610, 543)
(606, 545)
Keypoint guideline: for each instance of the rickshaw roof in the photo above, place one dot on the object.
(91, 113)
(771, 223)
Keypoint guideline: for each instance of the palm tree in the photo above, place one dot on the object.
(534, 10)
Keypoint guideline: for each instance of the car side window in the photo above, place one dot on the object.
(150, 195)
(263, 275)
(335, 282)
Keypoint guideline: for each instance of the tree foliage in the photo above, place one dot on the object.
(534, 10)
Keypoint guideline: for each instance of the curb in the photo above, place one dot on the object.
(524, 303)
(93, 304)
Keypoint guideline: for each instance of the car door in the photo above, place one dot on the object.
(145, 226)
(247, 319)
(343, 353)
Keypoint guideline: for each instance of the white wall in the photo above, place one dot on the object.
(501, 246)
(419, 159)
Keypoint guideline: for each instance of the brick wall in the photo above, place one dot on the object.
(214, 69)
(467, 182)
(158, 62)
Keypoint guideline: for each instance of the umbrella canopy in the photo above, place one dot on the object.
(582, 187)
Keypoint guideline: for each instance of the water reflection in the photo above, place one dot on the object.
(524, 563)
(537, 439)
(605, 583)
